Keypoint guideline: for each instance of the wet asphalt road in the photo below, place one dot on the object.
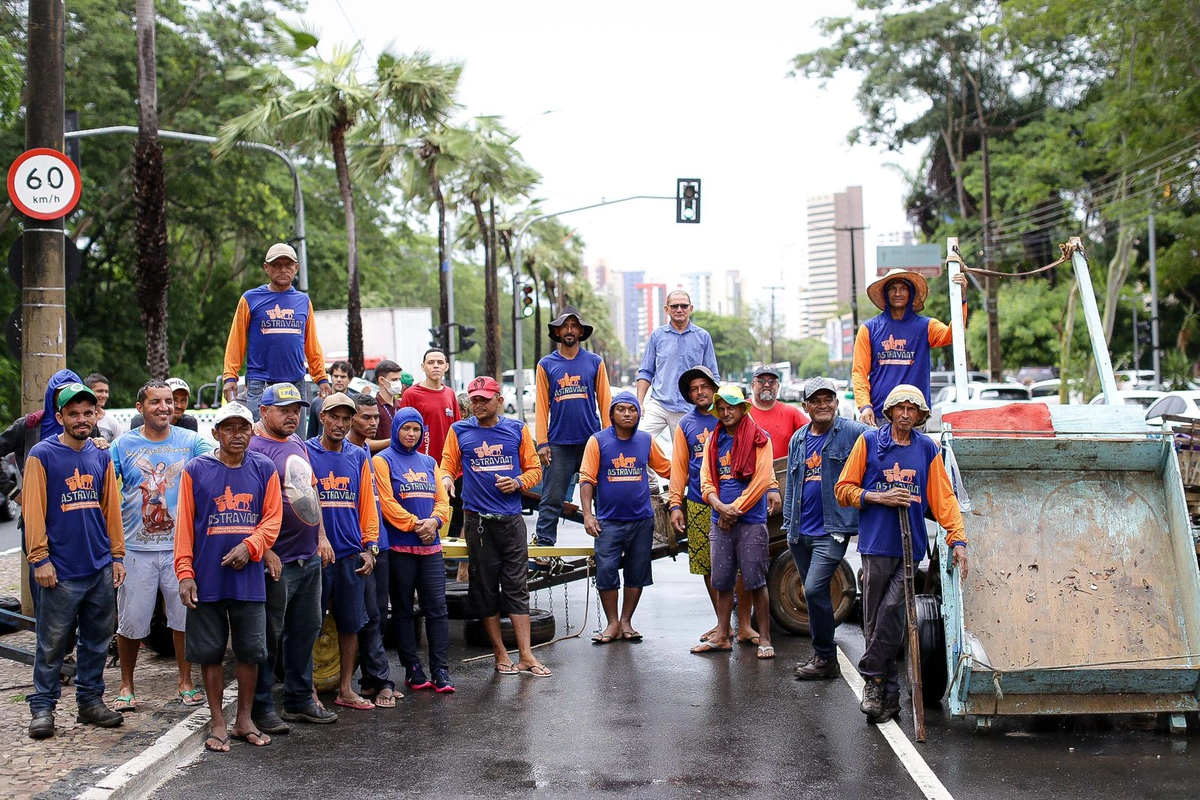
(651, 720)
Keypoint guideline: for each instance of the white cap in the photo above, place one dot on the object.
(279, 250)
(177, 384)
(231, 410)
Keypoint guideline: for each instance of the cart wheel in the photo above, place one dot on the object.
(457, 604)
(542, 627)
(788, 608)
(932, 635)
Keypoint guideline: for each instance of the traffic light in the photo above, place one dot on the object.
(527, 300)
(464, 343)
(439, 340)
(687, 200)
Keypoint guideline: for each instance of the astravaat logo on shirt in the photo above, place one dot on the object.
(725, 466)
(812, 468)
(336, 492)
(233, 514)
(81, 492)
(895, 352)
(698, 447)
(898, 476)
(491, 458)
(624, 468)
(280, 320)
(570, 387)
(417, 485)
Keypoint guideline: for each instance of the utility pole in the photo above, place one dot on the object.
(772, 290)
(1154, 350)
(853, 272)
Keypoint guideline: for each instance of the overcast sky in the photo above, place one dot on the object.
(642, 93)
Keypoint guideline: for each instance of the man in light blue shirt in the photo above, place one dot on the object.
(672, 349)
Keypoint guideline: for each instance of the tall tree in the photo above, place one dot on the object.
(150, 192)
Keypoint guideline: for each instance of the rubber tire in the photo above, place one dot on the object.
(932, 635)
(542, 628)
(788, 609)
(9, 509)
(458, 605)
(13, 604)
(161, 640)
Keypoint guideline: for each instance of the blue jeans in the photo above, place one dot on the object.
(373, 658)
(92, 604)
(427, 576)
(817, 558)
(293, 624)
(565, 460)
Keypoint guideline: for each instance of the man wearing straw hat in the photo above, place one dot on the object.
(894, 467)
(893, 348)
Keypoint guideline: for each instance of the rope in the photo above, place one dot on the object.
(1065, 249)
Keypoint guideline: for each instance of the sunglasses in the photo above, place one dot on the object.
(679, 306)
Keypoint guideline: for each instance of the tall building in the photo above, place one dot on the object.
(631, 307)
(732, 305)
(698, 285)
(830, 254)
(651, 314)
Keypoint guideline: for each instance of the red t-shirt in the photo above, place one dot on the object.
(781, 421)
(439, 409)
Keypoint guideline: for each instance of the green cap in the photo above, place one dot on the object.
(406, 378)
(73, 390)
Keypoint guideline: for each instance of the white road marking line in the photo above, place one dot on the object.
(904, 749)
(11, 550)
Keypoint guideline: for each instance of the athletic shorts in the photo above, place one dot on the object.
(210, 626)
(744, 546)
(699, 520)
(624, 545)
(498, 572)
(147, 572)
(345, 592)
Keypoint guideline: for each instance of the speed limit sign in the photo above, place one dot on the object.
(44, 184)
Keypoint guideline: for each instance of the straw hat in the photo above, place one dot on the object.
(877, 289)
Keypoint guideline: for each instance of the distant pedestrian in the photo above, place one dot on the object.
(616, 475)
(107, 425)
(673, 348)
(274, 331)
(149, 461)
(572, 389)
(388, 379)
(895, 467)
(75, 543)
(340, 375)
(230, 508)
(416, 508)
(497, 460)
(778, 419)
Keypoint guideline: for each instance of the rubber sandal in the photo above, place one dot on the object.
(545, 671)
(631, 636)
(222, 744)
(386, 702)
(752, 641)
(365, 705)
(507, 669)
(189, 697)
(126, 702)
(601, 638)
(766, 651)
(263, 739)
(709, 647)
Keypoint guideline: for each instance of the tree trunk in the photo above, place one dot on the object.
(493, 298)
(152, 271)
(443, 275)
(354, 329)
(491, 321)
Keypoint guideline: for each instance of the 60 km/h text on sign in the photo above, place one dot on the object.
(44, 184)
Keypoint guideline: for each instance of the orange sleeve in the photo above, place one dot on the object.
(943, 503)
(531, 467)
(706, 485)
(603, 395)
(33, 511)
(659, 461)
(861, 372)
(680, 456)
(764, 476)
(185, 534)
(235, 347)
(267, 529)
(368, 517)
(848, 490)
(441, 502)
(110, 503)
(451, 456)
(541, 411)
(941, 334)
(589, 467)
(389, 506)
(312, 349)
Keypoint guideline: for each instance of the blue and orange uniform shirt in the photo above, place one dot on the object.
(482, 454)
(347, 496)
(410, 490)
(221, 507)
(687, 456)
(748, 495)
(619, 469)
(569, 393)
(276, 333)
(877, 463)
(71, 508)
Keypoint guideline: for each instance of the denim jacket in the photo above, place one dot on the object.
(838, 444)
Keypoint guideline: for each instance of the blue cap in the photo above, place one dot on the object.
(282, 394)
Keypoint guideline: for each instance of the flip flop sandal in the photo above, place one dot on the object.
(752, 641)
(263, 739)
(766, 651)
(386, 702)
(222, 745)
(126, 702)
(545, 671)
(365, 705)
(507, 669)
(709, 647)
(602, 638)
(631, 636)
(189, 697)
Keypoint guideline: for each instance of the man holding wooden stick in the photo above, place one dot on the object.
(894, 466)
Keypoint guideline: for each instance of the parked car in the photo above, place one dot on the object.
(1178, 404)
(509, 393)
(792, 392)
(979, 395)
(1048, 392)
(939, 379)
(1132, 397)
(1136, 378)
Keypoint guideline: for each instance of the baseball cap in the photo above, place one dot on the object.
(282, 394)
(231, 410)
(178, 383)
(730, 394)
(406, 378)
(818, 384)
(766, 369)
(279, 250)
(73, 390)
(484, 386)
(338, 400)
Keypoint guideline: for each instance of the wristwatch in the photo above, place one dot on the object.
(373, 549)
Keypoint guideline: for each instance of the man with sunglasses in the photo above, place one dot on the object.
(779, 420)
(677, 346)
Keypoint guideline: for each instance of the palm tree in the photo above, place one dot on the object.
(152, 272)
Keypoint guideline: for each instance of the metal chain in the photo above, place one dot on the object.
(597, 595)
(567, 606)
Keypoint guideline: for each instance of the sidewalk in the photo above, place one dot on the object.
(79, 756)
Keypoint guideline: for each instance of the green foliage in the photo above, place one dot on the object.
(735, 346)
(1030, 327)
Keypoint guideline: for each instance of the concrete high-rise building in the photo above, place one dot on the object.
(732, 305)
(631, 307)
(651, 314)
(829, 257)
(699, 286)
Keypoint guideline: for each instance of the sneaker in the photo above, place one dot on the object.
(99, 715)
(311, 713)
(891, 710)
(441, 682)
(872, 700)
(271, 723)
(42, 725)
(414, 678)
(817, 669)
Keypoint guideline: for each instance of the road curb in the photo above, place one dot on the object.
(182, 743)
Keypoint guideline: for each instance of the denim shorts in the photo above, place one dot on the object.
(346, 592)
(624, 545)
(210, 626)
